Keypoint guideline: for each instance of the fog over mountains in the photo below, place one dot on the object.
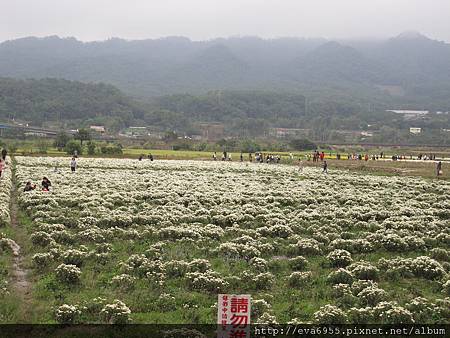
(409, 69)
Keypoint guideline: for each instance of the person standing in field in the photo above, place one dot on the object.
(215, 156)
(56, 170)
(300, 164)
(439, 169)
(325, 168)
(242, 157)
(2, 166)
(73, 164)
(4, 153)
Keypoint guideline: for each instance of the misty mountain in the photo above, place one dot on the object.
(410, 69)
(334, 63)
(412, 59)
(206, 69)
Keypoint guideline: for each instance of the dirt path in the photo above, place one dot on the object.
(20, 274)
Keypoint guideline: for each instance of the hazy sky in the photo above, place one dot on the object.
(204, 19)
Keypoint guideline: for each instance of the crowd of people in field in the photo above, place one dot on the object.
(46, 184)
(257, 157)
(321, 156)
(149, 156)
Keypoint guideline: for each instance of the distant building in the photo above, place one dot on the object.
(287, 132)
(367, 133)
(98, 129)
(410, 114)
(156, 135)
(37, 134)
(138, 131)
(415, 130)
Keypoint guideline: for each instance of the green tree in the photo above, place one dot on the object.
(249, 146)
(111, 149)
(61, 140)
(71, 147)
(91, 148)
(83, 135)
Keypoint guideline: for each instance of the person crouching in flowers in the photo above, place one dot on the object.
(46, 184)
(29, 186)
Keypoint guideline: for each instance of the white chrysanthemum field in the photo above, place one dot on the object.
(155, 242)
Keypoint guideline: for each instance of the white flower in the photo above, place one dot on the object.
(67, 314)
(116, 313)
(68, 273)
(170, 223)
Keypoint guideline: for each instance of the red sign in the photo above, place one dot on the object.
(233, 316)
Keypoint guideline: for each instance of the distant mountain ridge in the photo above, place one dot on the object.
(147, 68)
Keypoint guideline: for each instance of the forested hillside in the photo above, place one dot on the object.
(243, 113)
(55, 100)
(42, 101)
(408, 71)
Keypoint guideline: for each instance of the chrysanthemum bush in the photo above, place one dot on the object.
(123, 281)
(422, 266)
(5, 194)
(299, 279)
(298, 263)
(363, 270)
(42, 260)
(147, 232)
(3, 288)
(67, 314)
(208, 281)
(330, 314)
(116, 313)
(339, 258)
(68, 273)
